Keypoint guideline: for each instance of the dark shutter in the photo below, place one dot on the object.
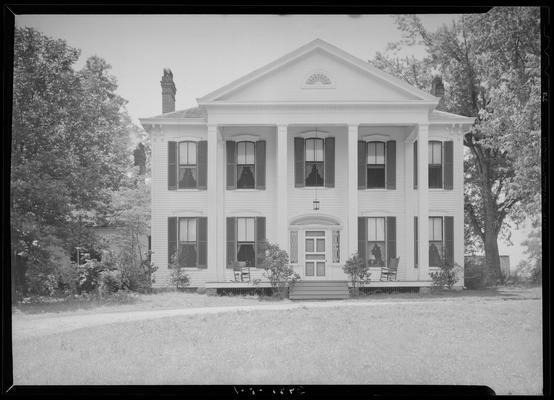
(449, 239)
(260, 164)
(202, 163)
(391, 238)
(202, 241)
(362, 238)
(391, 164)
(415, 243)
(330, 162)
(415, 164)
(231, 240)
(259, 228)
(231, 164)
(299, 166)
(171, 238)
(172, 165)
(448, 165)
(362, 165)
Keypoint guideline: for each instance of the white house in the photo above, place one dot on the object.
(318, 124)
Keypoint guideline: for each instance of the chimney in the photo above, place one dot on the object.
(437, 88)
(168, 91)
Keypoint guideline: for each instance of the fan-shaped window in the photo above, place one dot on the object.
(318, 79)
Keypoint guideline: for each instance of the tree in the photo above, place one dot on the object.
(490, 65)
(69, 145)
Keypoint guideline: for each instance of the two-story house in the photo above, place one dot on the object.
(318, 152)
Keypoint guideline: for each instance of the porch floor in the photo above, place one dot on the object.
(372, 284)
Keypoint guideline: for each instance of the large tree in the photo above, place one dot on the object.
(490, 64)
(69, 145)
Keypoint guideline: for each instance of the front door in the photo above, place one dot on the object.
(315, 254)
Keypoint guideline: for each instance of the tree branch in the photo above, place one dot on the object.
(474, 221)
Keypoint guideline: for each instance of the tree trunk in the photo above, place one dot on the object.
(492, 257)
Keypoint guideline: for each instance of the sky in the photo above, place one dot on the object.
(205, 52)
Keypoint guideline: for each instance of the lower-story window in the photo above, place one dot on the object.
(376, 244)
(245, 241)
(187, 243)
(436, 241)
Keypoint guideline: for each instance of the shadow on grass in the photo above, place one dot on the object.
(68, 304)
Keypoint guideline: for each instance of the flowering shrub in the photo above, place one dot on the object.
(358, 270)
(277, 269)
(447, 276)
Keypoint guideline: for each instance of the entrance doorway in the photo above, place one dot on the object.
(315, 254)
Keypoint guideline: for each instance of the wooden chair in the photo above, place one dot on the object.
(241, 272)
(244, 273)
(389, 273)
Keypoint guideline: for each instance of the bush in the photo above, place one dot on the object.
(475, 274)
(358, 270)
(110, 282)
(89, 276)
(179, 278)
(277, 269)
(447, 275)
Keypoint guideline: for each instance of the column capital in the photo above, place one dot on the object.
(352, 125)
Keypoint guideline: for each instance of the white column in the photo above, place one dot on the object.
(282, 188)
(423, 200)
(352, 192)
(220, 204)
(212, 203)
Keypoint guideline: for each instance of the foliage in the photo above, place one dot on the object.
(447, 276)
(110, 282)
(89, 275)
(178, 278)
(490, 65)
(357, 269)
(530, 270)
(69, 149)
(475, 273)
(277, 269)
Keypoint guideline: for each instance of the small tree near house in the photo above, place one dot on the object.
(358, 270)
(277, 269)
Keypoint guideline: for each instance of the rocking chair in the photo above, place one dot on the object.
(389, 273)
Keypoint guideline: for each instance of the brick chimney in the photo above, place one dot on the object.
(437, 87)
(168, 91)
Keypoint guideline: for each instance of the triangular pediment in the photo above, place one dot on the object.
(317, 72)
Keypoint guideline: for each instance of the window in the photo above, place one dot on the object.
(375, 165)
(187, 243)
(245, 165)
(314, 162)
(245, 241)
(436, 241)
(187, 165)
(376, 244)
(435, 165)
(336, 246)
(294, 247)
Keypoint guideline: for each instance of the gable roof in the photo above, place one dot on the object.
(193, 112)
(310, 47)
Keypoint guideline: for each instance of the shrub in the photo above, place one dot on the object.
(89, 276)
(179, 278)
(358, 270)
(110, 282)
(475, 274)
(277, 269)
(447, 275)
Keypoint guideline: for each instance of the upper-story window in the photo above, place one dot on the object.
(246, 165)
(315, 163)
(376, 165)
(187, 165)
(435, 165)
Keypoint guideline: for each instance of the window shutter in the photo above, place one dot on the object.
(330, 162)
(415, 164)
(299, 166)
(391, 164)
(231, 240)
(449, 165)
(171, 238)
(391, 238)
(172, 165)
(231, 164)
(202, 241)
(202, 164)
(415, 243)
(260, 164)
(259, 228)
(449, 239)
(362, 238)
(362, 165)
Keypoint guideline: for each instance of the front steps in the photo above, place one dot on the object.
(319, 290)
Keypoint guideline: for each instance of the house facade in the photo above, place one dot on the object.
(318, 152)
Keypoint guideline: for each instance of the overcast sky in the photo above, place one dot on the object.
(206, 52)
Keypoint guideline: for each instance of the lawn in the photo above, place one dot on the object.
(450, 340)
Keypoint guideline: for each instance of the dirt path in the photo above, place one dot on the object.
(28, 326)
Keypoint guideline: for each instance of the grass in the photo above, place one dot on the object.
(470, 340)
